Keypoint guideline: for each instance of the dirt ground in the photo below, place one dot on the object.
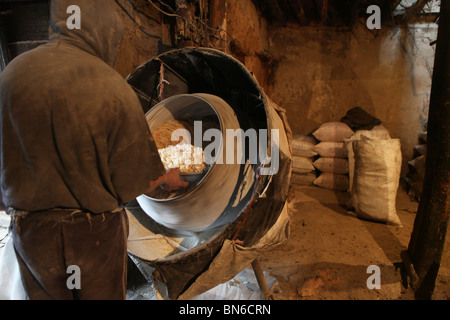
(329, 251)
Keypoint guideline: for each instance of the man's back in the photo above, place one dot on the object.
(73, 134)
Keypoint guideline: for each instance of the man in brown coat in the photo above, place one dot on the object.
(75, 147)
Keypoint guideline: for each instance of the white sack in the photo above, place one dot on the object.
(376, 179)
(377, 132)
(332, 165)
(337, 182)
(302, 165)
(303, 179)
(331, 149)
(303, 146)
(333, 132)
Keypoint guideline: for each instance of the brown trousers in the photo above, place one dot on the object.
(47, 243)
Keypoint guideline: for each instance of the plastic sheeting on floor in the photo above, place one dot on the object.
(11, 287)
(243, 286)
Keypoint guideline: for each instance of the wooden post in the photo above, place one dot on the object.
(424, 253)
(257, 268)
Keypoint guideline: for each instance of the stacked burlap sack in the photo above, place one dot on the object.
(332, 163)
(303, 171)
(416, 173)
(358, 156)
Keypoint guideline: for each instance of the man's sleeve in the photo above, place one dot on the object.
(134, 160)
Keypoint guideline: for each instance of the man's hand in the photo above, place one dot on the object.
(172, 180)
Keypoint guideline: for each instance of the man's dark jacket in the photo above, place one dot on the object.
(72, 131)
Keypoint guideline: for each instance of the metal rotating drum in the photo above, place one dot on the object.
(255, 216)
(199, 207)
